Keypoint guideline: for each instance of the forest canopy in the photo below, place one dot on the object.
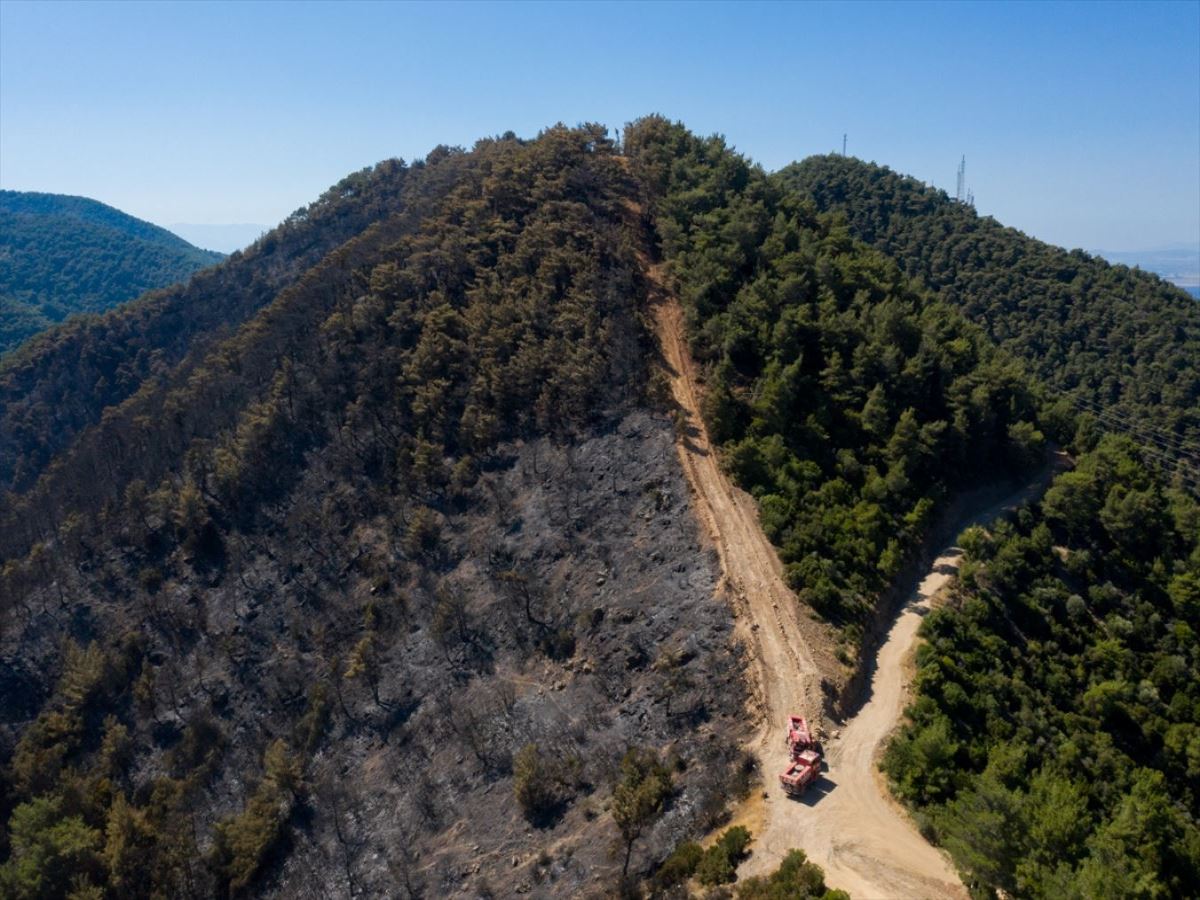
(1118, 346)
(63, 255)
(1054, 740)
(846, 399)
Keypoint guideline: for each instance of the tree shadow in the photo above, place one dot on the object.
(691, 445)
(396, 715)
(549, 816)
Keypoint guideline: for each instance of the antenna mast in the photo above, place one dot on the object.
(962, 193)
(843, 144)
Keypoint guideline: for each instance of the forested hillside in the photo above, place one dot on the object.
(849, 401)
(351, 598)
(1117, 344)
(63, 255)
(57, 386)
(1054, 747)
(363, 563)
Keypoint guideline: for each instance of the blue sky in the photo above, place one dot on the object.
(1080, 122)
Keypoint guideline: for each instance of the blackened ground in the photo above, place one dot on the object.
(414, 796)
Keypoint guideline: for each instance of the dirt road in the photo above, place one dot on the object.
(847, 823)
(794, 652)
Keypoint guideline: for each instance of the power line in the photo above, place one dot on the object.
(1172, 453)
(1159, 435)
(1097, 408)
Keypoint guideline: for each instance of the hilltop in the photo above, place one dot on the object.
(1114, 342)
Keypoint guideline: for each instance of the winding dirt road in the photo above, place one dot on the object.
(847, 823)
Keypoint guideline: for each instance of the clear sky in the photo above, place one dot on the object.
(1080, 122)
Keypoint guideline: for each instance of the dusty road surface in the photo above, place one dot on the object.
(847, 822)
(864, 840)
(793, 652)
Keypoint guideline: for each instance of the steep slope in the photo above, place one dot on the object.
(843, 398)
(339, 585)
(1116, 343)
(63, 255)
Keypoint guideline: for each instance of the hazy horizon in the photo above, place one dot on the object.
(1080, 123)
(224, 237)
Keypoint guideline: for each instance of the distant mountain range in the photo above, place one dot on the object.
(1177, 263)
(225, 238)
(62, 255)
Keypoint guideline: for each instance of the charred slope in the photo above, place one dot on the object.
(63, 255)
(308, 608)
(1116, 343)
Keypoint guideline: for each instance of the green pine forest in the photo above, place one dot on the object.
(1054, 743)
(60, 256)
(849, 401)
(1054, 739)
(1107, 341)
(334, 503)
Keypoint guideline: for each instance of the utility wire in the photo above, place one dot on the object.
(1127, 420)
(1164, 440)
(1177, 456)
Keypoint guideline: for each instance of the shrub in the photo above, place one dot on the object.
(795, 879)
(719, 863)
(534, 785)
(680, 865)
(243, 842)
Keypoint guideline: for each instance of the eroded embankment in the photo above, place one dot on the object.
(848, 823)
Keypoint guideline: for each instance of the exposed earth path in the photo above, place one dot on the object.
(794, 652)
(847, 822)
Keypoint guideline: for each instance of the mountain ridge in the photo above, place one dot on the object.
(1128, 351)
